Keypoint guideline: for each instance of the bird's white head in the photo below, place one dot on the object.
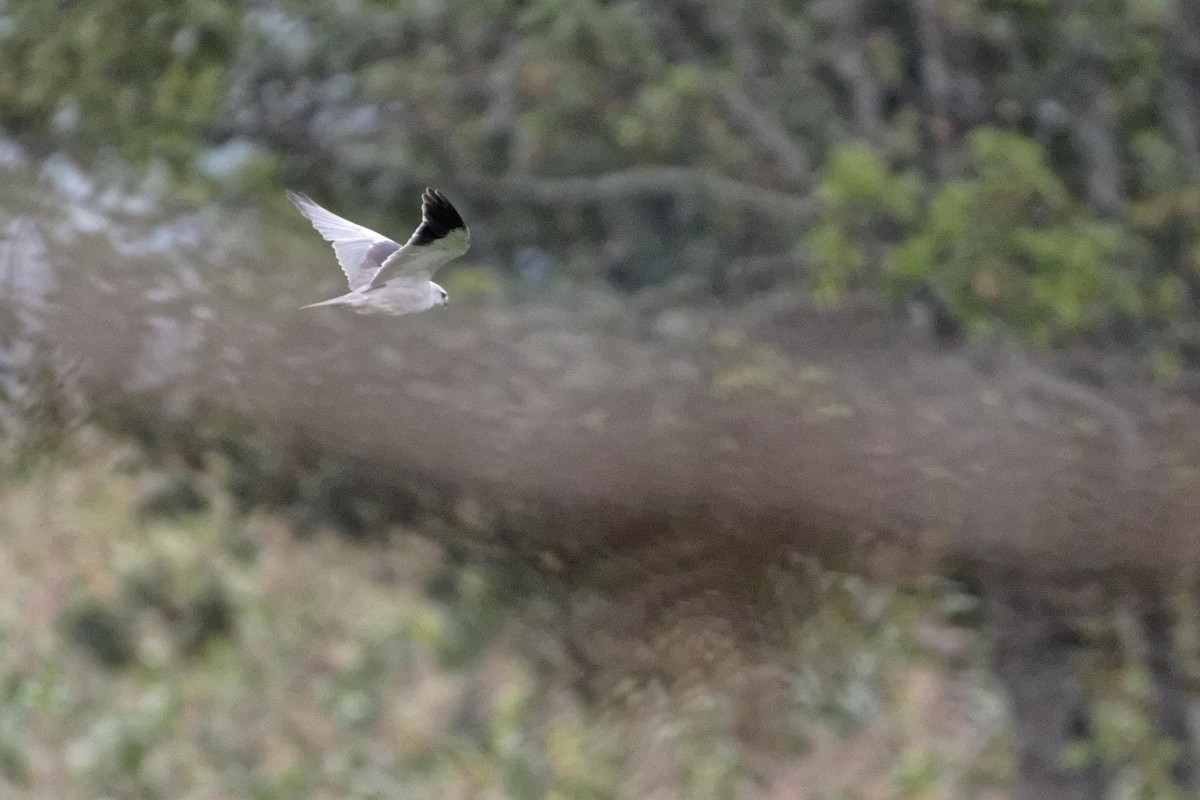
(440, 298)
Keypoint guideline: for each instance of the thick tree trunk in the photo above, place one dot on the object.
(1036, 646)
(1171, 701)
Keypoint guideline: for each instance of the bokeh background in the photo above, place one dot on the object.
(815, 415)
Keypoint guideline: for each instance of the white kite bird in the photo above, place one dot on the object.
(385, 277)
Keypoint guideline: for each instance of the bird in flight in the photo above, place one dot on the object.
(386, 277)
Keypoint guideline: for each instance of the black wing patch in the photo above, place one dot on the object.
(438, 218)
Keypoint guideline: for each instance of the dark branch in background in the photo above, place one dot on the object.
(730, 28)
(500, 119)
(680, 182)
(766, 132)
(1182, 98)
(935, 83)
(1096, 137)
(760, 124)
(852, 67)
(1094, 106)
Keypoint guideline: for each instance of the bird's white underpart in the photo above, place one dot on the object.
(386, 277)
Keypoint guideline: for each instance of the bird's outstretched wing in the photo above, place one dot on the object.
(360, 251)
(441, 236)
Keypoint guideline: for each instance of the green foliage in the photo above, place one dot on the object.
(1126, 734)
(861, 664)
(100, 628)
(127, 696)
(860, 198)
(1006, 241)
(474, 285)
(177, 496)
(134, 76)
(711, 763)
(529, 755)
(410, 684)
(166, 582)
(367, 102)
(847, 652)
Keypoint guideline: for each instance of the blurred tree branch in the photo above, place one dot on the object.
(1182, 98)
(746, 114)
(851, 65)
(935, 82)
(678, 182)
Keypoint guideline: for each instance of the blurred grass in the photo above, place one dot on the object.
(160, 641)
(157, 643)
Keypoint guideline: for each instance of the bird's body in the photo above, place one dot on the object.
(386, 277)
(396, 297)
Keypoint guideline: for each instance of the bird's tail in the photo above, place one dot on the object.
(337, 301)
